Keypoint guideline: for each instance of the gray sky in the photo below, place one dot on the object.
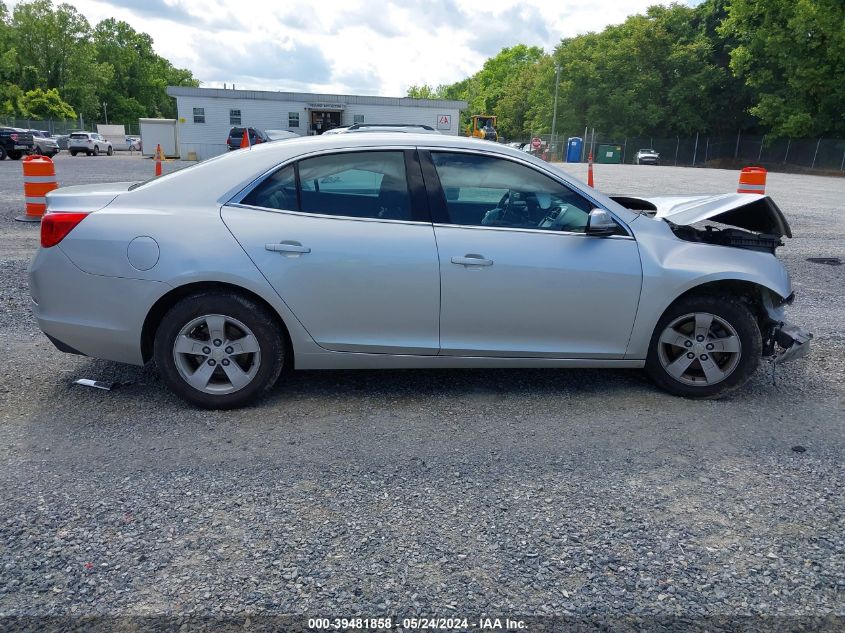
(350, 46)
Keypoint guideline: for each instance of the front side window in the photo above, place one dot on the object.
(358, 185)
(293, 119)
(488, 191)
(361, 184)
(199, 115)
(234, 117)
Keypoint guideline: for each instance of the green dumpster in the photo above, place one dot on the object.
(609, 154)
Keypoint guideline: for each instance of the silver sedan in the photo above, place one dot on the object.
(394, 250)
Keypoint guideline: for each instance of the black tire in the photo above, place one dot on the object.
(96, 150)
(3, 153)
(110, 151)
(73, 152)
(264, 326)
(15, 155)
(735, 314)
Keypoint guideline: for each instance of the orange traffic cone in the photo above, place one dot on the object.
(590, 170)
(245, 140)
(39, 177)
(158, 160)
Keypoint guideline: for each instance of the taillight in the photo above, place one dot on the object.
(56, 226)
(14, 137)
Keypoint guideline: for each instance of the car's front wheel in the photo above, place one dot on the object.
(704, 346)
(96, 150)
(109, 151)
(219, 350)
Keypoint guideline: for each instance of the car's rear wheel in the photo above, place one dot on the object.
(110, 151)
(219, 350)
(704, 346)
(73, 153)
(2, 153)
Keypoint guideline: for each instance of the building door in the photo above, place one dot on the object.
(322, 120)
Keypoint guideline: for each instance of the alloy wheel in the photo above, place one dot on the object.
(216, 354)
(699, 349)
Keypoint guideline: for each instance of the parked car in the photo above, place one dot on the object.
(44, 144)
(281, 135)
(134, 143)
(89, 143)
(236, 136)
(62, 140)
(646, 157)
(15, 142)
(402, 251)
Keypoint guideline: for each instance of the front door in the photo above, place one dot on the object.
(347, 250)
(322, 121)
(519, 276)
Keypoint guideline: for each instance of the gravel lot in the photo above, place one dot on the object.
(499, 493)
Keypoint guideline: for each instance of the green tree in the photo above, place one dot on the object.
(139, 76)
(54, 50)
(424, 91)
(792, 54)
(41, 104)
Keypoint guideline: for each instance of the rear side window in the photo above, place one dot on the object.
(355, 185)
(361, 185)
(277, 192)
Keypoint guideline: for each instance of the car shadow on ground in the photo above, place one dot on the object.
(145, 382)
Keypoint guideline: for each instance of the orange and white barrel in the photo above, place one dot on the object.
(752, 180)
(39, 178)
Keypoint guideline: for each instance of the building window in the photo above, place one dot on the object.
(234, 117)
(358, 118)
(293, 119)
(199, 115)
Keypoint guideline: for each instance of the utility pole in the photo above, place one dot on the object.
(105, 112)
(554, 113)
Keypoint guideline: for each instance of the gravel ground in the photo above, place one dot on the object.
(499, 493)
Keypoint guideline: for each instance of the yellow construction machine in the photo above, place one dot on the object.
(483, 126)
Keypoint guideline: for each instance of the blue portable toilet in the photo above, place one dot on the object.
(573, 149)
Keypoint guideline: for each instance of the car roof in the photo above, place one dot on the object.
(231, 172)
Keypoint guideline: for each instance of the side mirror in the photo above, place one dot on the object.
(600, 223)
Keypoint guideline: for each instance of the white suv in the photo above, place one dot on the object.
(89, 143)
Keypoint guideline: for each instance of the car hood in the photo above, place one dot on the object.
(85, 197)
(753, 212)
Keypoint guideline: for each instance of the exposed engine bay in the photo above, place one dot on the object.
(753, 222)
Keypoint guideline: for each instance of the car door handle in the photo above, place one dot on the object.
(472, 259)
(288, 247)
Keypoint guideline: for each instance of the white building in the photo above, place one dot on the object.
(205, 115)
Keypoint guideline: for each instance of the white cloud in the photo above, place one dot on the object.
(353, 46)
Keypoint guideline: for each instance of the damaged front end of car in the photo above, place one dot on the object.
(744, 221)
(753, 222)
(782, 341)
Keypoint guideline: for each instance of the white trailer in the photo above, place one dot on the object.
(114, 133)
(162, 132)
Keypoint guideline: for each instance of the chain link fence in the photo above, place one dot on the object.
(821, 154)
(65, 127)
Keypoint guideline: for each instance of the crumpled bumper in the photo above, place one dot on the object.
(790, 341)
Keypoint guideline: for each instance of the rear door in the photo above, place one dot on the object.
(347, 242)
